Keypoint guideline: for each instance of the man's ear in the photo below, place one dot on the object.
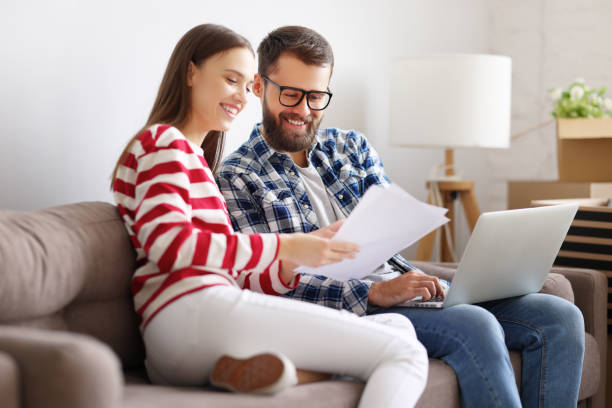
(191, 70)
(258, 86)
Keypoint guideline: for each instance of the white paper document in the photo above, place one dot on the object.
(385, 221)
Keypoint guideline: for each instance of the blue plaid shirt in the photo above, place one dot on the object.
(264, 193)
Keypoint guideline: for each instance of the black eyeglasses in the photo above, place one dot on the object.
(290, 96)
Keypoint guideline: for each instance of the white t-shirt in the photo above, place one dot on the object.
(328, 211)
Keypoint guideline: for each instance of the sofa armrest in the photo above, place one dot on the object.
(9, 382)
(591, 296)
(62, 369)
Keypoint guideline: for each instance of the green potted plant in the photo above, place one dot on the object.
(584, 132)
(581, 101)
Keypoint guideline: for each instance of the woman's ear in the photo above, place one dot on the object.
(258, 86)
(191, 71)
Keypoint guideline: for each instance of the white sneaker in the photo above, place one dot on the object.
(266, 373)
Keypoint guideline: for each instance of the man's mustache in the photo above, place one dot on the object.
(295, 116)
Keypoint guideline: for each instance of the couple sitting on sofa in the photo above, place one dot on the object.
(285, 192)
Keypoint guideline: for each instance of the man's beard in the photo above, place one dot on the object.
(284, 140)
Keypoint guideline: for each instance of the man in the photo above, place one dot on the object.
(292, 177)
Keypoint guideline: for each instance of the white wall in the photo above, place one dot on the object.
(551, 42)
(78, 78)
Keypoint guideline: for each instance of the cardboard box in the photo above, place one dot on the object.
(521, 193)
(584, 149)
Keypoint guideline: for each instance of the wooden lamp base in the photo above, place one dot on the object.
(449, 191)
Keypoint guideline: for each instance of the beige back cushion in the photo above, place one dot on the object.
(69, 268)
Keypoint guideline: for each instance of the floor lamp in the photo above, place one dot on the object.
(450, 101)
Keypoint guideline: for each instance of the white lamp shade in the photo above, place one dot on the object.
(451, 101)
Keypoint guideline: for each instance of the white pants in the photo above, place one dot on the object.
(185, 339)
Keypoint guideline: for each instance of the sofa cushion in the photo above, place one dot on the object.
(69, 268)
(558, 285)
(10, 383)
(319, 394)
(63, 370)
(442, 389)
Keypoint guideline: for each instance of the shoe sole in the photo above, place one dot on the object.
(254, 374)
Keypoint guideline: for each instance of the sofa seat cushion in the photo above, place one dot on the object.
(320, 394)
(441, 388)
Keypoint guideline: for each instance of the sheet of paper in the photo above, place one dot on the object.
(385, 221)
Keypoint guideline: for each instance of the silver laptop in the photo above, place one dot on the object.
(509, 254)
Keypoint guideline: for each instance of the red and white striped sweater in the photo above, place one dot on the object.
(179, 225)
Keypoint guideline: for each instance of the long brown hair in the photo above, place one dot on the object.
(173, 102)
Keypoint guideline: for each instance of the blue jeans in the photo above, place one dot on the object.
(474, 340)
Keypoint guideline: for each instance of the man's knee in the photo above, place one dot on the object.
(549, 319)
(478, 324)
(566, 318)
(472, 339)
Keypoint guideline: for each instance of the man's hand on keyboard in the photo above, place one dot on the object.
(405, 287)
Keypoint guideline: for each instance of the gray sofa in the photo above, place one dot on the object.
(69, 338)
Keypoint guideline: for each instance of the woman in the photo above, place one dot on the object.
(196, 321)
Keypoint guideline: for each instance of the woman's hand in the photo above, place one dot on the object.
(314, 249)
(329, 231)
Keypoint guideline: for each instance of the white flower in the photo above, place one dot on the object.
(576, 92)
(555, 94)
(595, 99)
(608, 103)
(580, 80)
